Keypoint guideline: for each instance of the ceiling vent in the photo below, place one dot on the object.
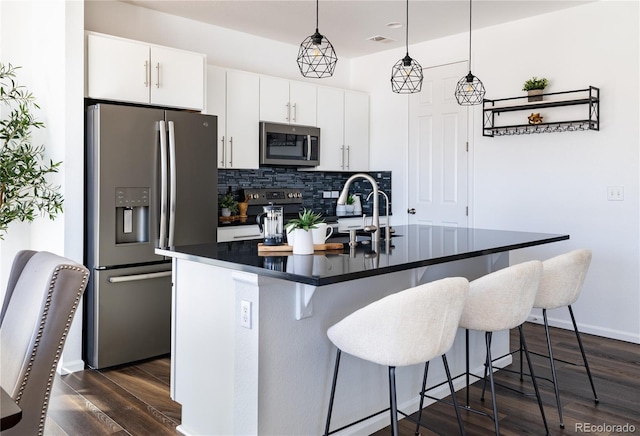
(380, 38)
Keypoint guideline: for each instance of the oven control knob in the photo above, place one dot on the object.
(290, 195)
(298, 194)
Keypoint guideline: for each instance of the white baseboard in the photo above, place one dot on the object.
(71, 367)
(587, 328)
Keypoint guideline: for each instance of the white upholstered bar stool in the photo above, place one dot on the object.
(560, 286)
(502, 300)
(406, 328)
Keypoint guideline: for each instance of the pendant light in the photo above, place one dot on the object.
(316, 57)
(469, 90)
(406, 74)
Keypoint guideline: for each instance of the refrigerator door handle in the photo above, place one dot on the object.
(135, 277)
(172, 179)
(163, 186)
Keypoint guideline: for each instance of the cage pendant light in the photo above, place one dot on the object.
(316, 57)
(469, 90)
(406, 74)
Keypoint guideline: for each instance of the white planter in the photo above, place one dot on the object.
(302, 242)
(225, 212)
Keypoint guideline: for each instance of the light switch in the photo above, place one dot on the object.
(615, 193)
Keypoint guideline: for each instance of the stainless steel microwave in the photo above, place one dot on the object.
(289, 145)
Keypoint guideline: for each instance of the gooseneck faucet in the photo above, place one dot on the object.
(376, 213)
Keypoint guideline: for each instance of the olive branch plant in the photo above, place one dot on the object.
(24, 189)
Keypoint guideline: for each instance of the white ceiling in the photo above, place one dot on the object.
(348, 23)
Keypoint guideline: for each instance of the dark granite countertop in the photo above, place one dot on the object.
(411, 247)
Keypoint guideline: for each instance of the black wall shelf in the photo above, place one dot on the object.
(589, 97)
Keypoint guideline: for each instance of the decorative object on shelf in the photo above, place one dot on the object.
(535, 87)
(299, 231)
(469, 90)
(228, 205)
(589, 98)
(243, 206)
(24, 189)
(316, 57)
(535, 118)
(406, 74)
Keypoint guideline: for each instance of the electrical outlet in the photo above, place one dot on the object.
(326, 194)
(245, 314)
(615, 193)
(335, 194)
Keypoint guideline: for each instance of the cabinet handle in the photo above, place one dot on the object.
(158, 75)
(342, 156)
(230, 151)
(295, 112)
(348, 156)
(222, 160)
(286, 117)
(146, 74)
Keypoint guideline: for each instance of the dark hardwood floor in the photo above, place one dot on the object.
(134, 400)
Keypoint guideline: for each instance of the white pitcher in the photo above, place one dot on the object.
(320, 234)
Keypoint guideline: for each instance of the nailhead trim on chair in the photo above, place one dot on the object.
(43, 320)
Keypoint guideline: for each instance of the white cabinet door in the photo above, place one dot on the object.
(117, 69)
(274, 100)
(288, 102)
(216, 104)
(331, 123)
(125, 70)
(177, 78)
(356, 131)
(302, 100)
(243, 118)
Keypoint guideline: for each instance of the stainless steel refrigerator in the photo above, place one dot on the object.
(151, 182)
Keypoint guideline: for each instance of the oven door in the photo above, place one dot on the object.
(282, 144)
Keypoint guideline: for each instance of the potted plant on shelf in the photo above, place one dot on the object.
(24, 189)
(228, 205)
(299, 231)
(350, 206)
(534, 88)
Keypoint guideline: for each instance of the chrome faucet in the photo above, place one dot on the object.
(387, 231)
(376, 214)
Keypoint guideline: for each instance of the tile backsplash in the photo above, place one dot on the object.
(311, 183)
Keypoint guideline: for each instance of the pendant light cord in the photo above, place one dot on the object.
(407, 29)
(317, 12)
(469, 35)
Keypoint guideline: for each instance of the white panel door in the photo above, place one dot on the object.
(303, 102)
(216, 104)
(356, 131)
(438, 161)
(274, 100)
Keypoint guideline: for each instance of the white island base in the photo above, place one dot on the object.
(273, 376)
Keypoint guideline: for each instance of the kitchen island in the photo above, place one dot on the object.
(250, 353)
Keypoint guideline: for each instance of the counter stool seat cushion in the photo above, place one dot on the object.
(562, 279)
(503, 299)
(405, 328)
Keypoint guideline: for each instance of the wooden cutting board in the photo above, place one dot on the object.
(319, 247)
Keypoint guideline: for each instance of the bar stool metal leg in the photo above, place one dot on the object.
(422, 393)
(453, 394)
(553, 367)
(333, 392)
(533, 379)
(584, 356)
(392, 401)
(487, 336)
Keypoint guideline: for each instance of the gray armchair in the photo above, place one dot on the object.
(42, 295)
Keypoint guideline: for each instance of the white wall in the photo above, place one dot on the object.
(45, 38)
(552, 183)
(223, 47)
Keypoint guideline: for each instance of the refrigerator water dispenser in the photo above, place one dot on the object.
(132, 215)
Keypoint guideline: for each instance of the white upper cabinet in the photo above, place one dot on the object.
(234, 96)
(356, 130)
(125, 70)
(343, 118)
(286, 101)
